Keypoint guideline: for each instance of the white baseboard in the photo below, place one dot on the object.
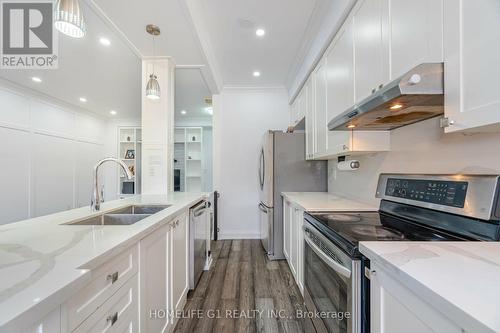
(239, 235)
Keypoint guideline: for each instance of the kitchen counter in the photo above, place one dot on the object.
(458, 278)
(324, 201)
(43, 262)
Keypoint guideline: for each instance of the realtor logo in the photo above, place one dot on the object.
(28, 38)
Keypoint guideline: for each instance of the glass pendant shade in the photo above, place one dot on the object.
(68, 18)
(153, 88)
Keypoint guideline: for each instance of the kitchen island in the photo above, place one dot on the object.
(44, 261)
(434, 286)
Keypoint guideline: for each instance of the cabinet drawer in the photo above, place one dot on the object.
(117, 314)
(106, 280)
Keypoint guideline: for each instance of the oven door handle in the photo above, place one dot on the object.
(346, 272)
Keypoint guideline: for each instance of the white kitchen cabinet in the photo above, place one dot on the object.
(320, 108)
(293, 240)
(154, 280)
(471, 52)
(118, 314)
(287, 212)
(369, 63)
(179, 261)
(413, 34)
(394, 308)
(340, 85)
(309, 113)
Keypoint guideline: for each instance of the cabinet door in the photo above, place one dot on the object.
(472, 50)
(368, 61)
(286, 229)
(340, 85)
(395, 309)
(320, 108)
(293, 243)
(310, 137)
(179, 259)
(414, 34)
(153, 279)
(300, 249)
(301, 110)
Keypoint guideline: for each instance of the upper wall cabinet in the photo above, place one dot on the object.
(368, 62)
(412, 34)
(320, 108)
(472, 53)
(310, 122)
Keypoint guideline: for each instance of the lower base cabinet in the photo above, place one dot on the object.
(138, 290)
(164, 275)
(395, 308)
(293, 240)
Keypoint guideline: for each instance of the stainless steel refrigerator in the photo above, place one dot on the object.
(283, 168)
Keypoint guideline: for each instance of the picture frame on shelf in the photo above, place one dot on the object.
(130, 154)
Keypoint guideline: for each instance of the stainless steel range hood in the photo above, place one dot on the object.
(415, 96)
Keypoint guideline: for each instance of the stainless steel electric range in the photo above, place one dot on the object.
(413, 208)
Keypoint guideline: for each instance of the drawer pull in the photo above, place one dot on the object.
(112, 318)
(113, 277)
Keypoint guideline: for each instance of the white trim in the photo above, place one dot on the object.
(194, 13)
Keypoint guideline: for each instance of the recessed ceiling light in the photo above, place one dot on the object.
(351, 126)
(83, 99)
(36, 79)
(256, 73)
(104, 41)
(112, 112)
(260, 32)
(183, 111)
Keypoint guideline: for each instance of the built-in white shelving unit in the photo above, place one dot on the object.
(188, 158)
(129, 151)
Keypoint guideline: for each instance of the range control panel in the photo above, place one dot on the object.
(448, 193)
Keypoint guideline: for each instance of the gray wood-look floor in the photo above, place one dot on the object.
(243, 279)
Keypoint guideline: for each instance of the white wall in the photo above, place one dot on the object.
(241, 116)
(419, 148)
(47, 152)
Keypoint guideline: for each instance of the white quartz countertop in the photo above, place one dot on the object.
(460, 279)
(43, 262)
(324, 201)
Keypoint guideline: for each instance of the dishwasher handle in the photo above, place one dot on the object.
(200, 209)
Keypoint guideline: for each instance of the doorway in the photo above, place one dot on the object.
(193, 136)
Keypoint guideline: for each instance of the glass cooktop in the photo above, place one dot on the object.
(349, 228)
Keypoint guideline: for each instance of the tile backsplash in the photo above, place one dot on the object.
(418, 148)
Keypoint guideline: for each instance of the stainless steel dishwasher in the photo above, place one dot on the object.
(199, 230)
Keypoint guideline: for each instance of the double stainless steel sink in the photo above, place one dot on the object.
(122, 216)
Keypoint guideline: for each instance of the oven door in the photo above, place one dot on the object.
(332, 285)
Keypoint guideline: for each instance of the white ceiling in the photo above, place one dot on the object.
(190, 92)
(177, 38)
(109, 77)
(231, 25)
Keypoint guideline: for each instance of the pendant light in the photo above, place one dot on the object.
(68, 18)
(153, 87)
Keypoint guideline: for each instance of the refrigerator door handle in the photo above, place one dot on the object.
(262, 169)
(263, 208)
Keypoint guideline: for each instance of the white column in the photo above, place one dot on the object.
(157, 128)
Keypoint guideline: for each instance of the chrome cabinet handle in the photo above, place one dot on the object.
(111, 319)
(113, 277)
